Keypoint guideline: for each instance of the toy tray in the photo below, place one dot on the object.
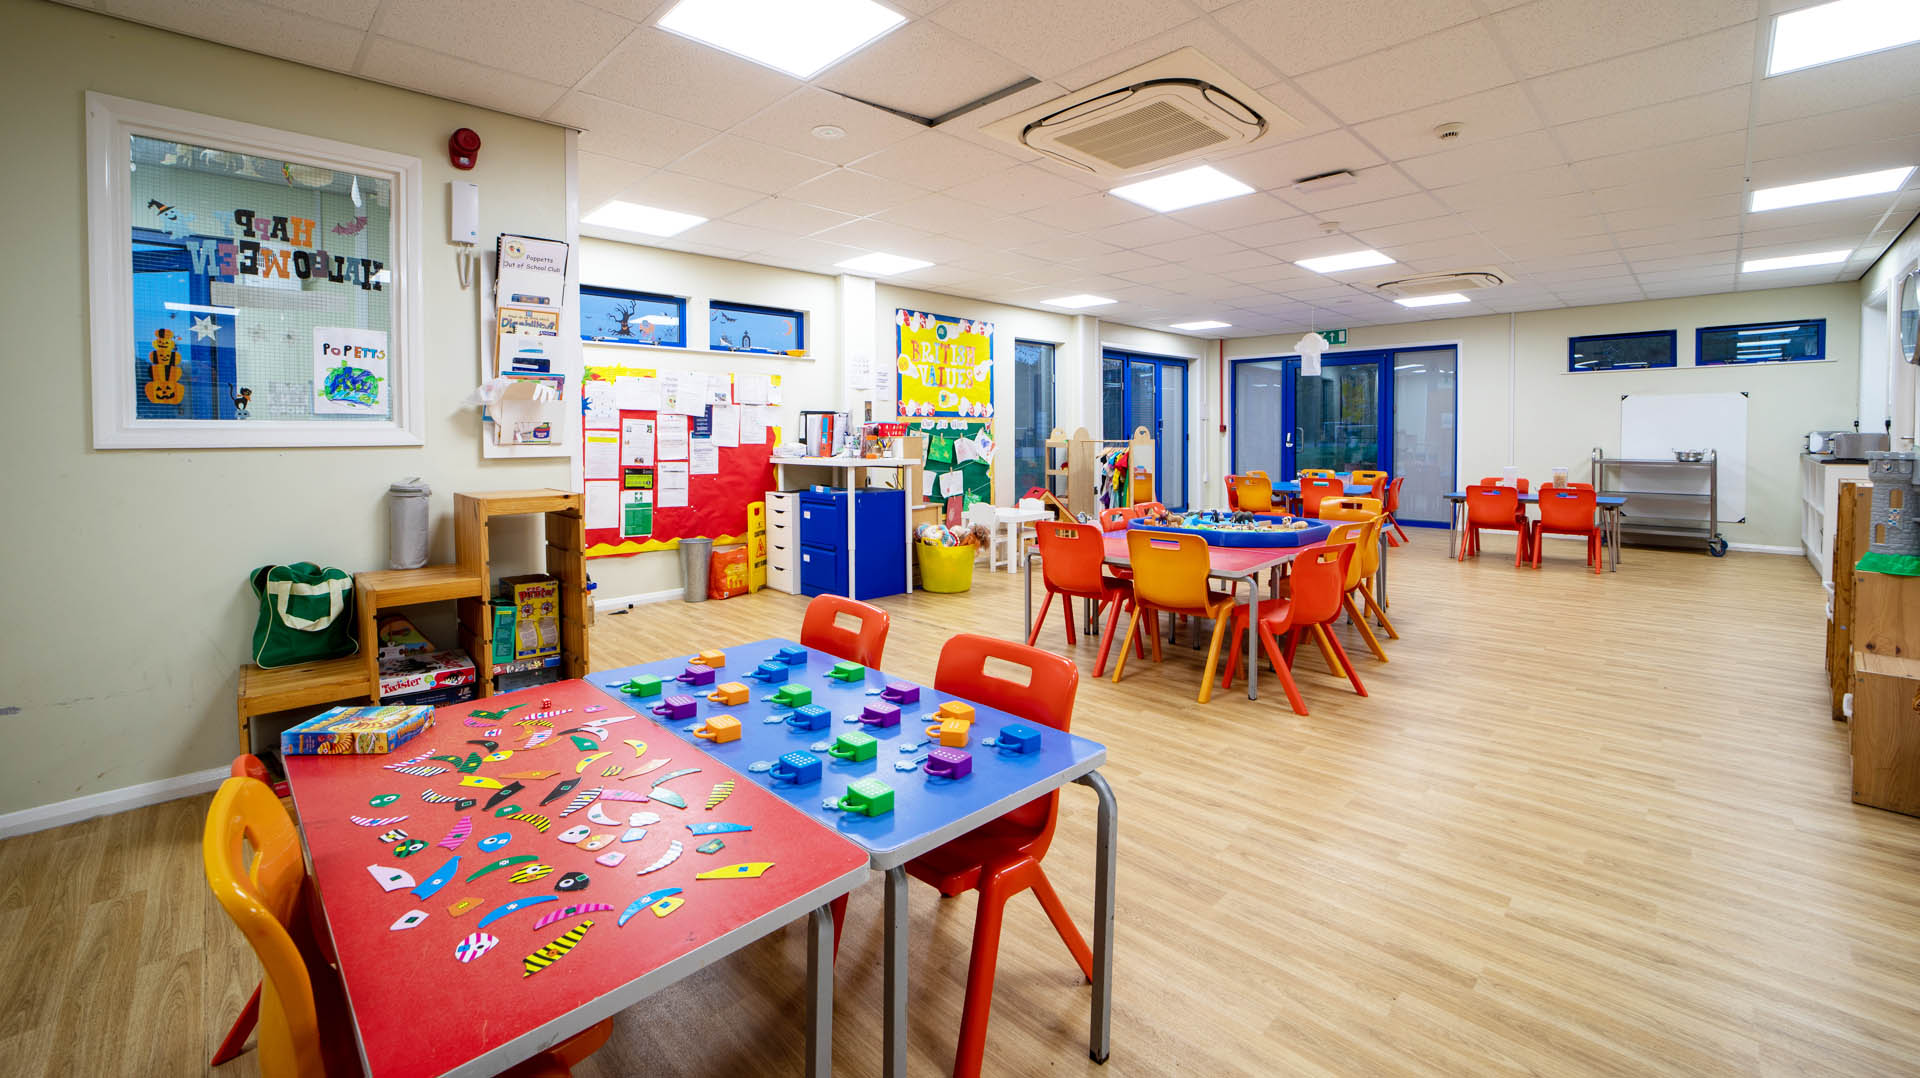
(1228, 537)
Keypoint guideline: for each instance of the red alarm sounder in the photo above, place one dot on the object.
(463, 148)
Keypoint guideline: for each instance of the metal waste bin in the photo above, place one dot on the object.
(695, 556)
(407, 523)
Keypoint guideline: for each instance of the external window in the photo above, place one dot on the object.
(1033, 417)
(616, 316)
(1622, 351)
(739, 327)
(1761, 342)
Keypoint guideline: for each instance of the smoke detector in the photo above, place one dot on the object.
(1437, 284)
(1177, 107)
(1448, 132)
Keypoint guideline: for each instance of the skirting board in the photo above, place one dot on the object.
(108, 802)
(1749, 548)
(621, 602)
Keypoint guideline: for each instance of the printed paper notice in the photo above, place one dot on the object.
(753, 424)
(705, 457)
(602, 458)
(636, 514)
(751, 388)
(672, 438)
(726, 426)
(637, 394)
(602, 409)
(350, 371)
(603, 505)
(636, 443)
(671, 481)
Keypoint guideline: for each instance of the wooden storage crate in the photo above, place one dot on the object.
(1886, 733)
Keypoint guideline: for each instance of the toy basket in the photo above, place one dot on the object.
(945, 569)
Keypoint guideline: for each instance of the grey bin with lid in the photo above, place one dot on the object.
(695, 556)
(407, 503)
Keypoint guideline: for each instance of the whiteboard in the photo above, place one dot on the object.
(1653, 425)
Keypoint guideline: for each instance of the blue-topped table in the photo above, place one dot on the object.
(927, 811)
(1608, 504)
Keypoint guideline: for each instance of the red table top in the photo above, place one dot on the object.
(1231, 562)
(418, 1008)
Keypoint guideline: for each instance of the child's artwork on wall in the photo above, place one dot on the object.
(945, 365)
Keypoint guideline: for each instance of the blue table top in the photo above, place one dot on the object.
(926, 811)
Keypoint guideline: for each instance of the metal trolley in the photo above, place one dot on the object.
(1667, 501)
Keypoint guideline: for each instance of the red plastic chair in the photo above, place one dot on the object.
(1314, 488)
(1520, 484)
(1071, 556)
(820, 629)
(1315, 599)
(1493, 508)
(1115, 519)
(1392, 526)
(1568, 512)
(1001, 858)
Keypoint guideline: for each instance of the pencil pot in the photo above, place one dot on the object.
(945, 569)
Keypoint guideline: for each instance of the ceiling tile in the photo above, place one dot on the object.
(1427, 228)
(1682, 120)
(1375, 184)
(1060, 35)
(1700, 155)
(1018, 189)
(1193, 250)
(1508, 190)
(1088, 212)
(455, 79)
(789, 216)
(558, 41)
(1554, 34)
(686, 194)
(616, 130)
(355, 13)
(1298, 36)
(790, 122)
(1484, 117)
(289, 35)
(936, 213)
(753, 165)
(602, 177)
(921, 68)
(1867, 123)
(1276, 233)
(1863, 80)
(668, 73)
(1684, 69)
(934, 160)
(1235, 213)
(1518, 153)
(1065, 248)
(1277, 167)
(853, 192)
(1439, 67)
(1847, 160)
(1147, 231)
(730, 235)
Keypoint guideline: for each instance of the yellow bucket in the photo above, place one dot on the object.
(945, 568)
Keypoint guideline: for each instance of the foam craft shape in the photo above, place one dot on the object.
(650, 766)
(581, 767)
(490, 746)
(583, 743)
(718, 828)
(540, 823)
(594, 708)
(810, 717)
(559, 791)
(432, 798)
(728, 694)
(530, 873)
(515, 906)
(475, 945)
(573, 910)
(494, 842)
(643, 819)
(712, 845)
(390, 879)
(505, 811)
(667, 858)
(574, 834)
(503, 793)
(481, 782)
(504, 862)
(462, 905)
(671, 775)
(899, 692)
(500, 757)
(410, 847)
(746, 870)
(572, 881)
(623, 795)
(395, 835)
(409, 919)
(715, 659)
(612, 771)
(649, 899)
(376, 821)
(599, 815)
(533, 776)
(639, 747)
(594, 842)
(719, 729)
(667, 796)
(461, 829)
(721, 791)
(634, 834)
(582, 800)
(611, 859)
(383, 800)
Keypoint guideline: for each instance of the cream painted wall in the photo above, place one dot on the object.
(1901, 380)
(125, 601)
(1518, 404)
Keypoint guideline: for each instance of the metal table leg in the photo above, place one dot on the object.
(1253, 637)
(1453, 528)
(1106, 858)
(820, 993)
(895, 979)
(1026, 592)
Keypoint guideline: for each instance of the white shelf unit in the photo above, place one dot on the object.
(1819, 504)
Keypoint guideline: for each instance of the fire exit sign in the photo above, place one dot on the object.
(1333, 336)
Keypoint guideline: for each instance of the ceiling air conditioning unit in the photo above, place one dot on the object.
(1438, 284)
(1180, 106)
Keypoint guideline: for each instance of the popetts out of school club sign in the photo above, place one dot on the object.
(945, 365)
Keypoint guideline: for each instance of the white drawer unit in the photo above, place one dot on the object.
(783, 541)
(782, 578)
(783, 509)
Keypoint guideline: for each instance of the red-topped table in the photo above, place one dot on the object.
(419, 1009)
(1223, 563)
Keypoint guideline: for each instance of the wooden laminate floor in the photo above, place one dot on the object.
(1583, 825)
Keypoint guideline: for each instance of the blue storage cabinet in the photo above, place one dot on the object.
(880, 516)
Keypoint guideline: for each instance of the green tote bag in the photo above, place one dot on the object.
(306, 614)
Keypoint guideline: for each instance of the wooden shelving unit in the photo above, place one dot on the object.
(468, 582)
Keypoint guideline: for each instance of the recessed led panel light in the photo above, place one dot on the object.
(1821, 258)
(1178, 190)
(1074, 303)
(881, 263)
(1350, 261)
(1203, 324)
(1432, 301)
(1806, 194)
(649, 220)
(799, 37)
(1828, 32)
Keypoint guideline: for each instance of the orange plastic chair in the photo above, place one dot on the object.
(245, 766)
(1255, 494)
(1001, 858)
(1366, 555)
(1374, 481)
(1393, 506)
(1170, 576)
(1071, 556)
(1115, 519)
(820, 629)
(1544, 487)
(1313, 488)
(1233, 481)
(1494, 508)
(1319, 572)
(1315, 473)
(305, 1027)
(1568, 512)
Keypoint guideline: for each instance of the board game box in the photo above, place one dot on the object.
(355, 731)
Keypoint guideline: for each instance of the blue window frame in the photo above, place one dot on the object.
(742, 327)
(618, 316)
(1150, 391)
(1623, 351)
(1760, 342)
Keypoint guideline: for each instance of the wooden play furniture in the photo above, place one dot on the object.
(1885, 726)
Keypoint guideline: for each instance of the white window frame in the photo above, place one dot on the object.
(111, 122)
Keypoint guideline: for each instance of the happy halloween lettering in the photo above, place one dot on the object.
(299, 259)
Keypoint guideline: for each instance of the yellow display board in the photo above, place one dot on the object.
(945, 365)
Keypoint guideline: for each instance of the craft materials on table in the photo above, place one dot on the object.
(416, 968)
